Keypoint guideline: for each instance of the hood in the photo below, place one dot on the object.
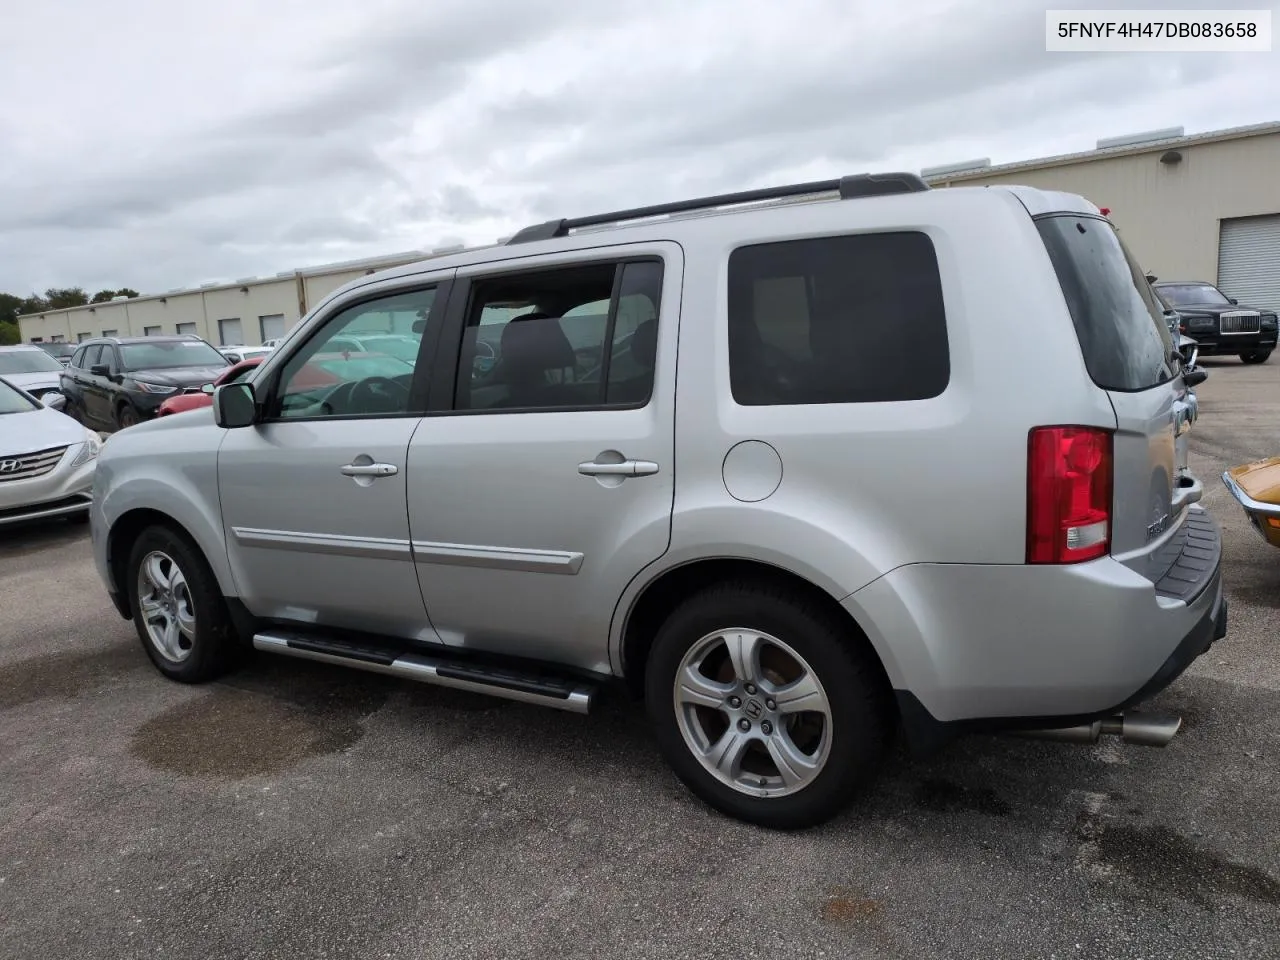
(41, 429)
(36, 382)
(179, 376)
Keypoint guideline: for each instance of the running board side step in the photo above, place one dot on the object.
(1144, 729)
(572, 695)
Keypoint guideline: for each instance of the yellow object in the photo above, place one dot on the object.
(1260, 481)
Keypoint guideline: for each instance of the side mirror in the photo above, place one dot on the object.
(234, 405)
(100, 370)
(1234, 301)
(208, 388)
(1194, 378)
(55, 401)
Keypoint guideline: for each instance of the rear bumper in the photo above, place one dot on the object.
(982, 647)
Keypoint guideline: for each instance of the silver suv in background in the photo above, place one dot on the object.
(799, 466)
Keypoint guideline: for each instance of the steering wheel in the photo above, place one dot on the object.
(383, 394)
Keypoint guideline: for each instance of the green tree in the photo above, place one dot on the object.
(10, 307)
(59, 298)
(102, 296)
(9, 332)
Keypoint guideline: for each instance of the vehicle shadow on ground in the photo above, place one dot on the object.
(30, 535)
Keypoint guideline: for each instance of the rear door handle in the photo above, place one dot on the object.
(627, 468)
(370, 470)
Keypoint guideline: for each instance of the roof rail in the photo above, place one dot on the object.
(848, 188)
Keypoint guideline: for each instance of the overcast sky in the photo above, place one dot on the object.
(157, 144)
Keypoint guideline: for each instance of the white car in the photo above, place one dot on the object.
(237, 353)
(47, 460)
(30, 368)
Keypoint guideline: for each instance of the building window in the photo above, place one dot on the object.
(58, 338)
(847, 319)
(151, 331)
(229, 332)
(271, 327)
(82, 336)
(186, 329)
(110, 333)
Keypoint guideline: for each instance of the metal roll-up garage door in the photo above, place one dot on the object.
(1249, 261)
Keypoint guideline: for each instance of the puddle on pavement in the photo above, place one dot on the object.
(231, 732)
(56, 676)
(943, 796)
(845, 906)
(1164, 860)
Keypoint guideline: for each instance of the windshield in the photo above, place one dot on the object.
(11, 401)
(1185, 294)
(27, 361)
(170, 353)
(1123, 335)
(58, 349)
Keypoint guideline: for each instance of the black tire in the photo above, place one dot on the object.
(215, 646)
(861, 714)
(1255, 356)
(126, 416)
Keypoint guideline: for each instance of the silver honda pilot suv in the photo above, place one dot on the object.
(806, 468)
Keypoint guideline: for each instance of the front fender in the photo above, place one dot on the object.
(169, 467)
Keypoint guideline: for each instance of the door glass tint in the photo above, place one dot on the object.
(537, 341)
(336, 374)
(92, 356)
(1126, 343)
(847, 319)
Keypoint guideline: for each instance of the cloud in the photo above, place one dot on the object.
(159, 145)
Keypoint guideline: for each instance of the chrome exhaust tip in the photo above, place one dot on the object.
(1143, 729)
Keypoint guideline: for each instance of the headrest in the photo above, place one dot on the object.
(644, 344)
(534, 343)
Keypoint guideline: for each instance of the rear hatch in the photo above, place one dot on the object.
(1129, 352)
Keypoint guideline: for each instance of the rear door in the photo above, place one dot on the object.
(1129, 353)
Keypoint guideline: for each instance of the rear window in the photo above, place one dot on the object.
(1125, 341)
(847, 319)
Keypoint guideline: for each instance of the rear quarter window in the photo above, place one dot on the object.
(842, 319)
(1126, 343)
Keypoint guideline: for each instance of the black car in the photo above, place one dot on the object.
(1218, 323)
(59, 350)
(115, 382)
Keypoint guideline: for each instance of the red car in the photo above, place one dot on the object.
(191, 401)
(323, 370)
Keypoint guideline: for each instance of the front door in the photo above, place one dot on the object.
(98, 387)
(544, 482)
(313, 495)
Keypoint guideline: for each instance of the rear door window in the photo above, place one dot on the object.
(1126, 344)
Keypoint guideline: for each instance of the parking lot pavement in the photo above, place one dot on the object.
(296, 810)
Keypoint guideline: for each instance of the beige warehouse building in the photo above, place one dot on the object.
(243, 312)
(1198, 207)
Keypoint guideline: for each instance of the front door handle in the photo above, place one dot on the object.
(370, 470)
(627, 468)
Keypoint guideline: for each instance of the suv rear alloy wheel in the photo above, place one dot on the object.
(125, 416)
(178, 609)
(1255, 356)
(765, 705)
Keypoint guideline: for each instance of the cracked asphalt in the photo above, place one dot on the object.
(298, 810)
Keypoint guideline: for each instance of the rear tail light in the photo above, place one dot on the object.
(1069, 476)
